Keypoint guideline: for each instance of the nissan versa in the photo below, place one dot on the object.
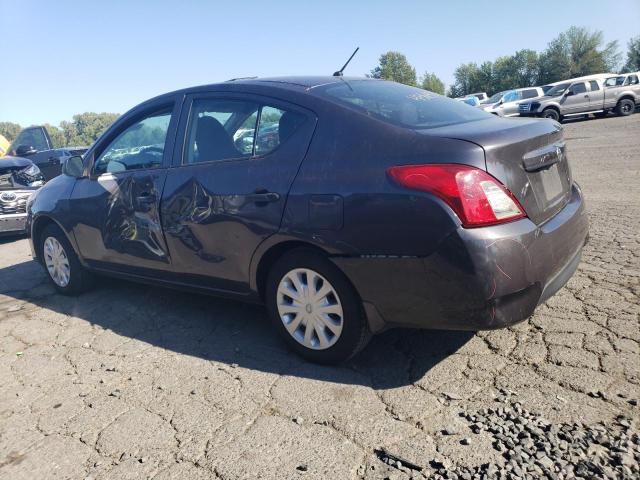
(346, 205)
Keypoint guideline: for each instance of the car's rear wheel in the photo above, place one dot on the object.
(625, 107)
(315, 308)
(551, 113)
(61, 262)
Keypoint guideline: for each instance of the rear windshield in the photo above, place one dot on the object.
(400, 104)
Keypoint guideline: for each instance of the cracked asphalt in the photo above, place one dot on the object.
(129, 381)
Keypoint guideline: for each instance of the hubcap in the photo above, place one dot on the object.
(56, 261)
(626, 108)
(310, 309)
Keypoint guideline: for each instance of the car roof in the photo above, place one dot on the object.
(284, 83)
(299, 84)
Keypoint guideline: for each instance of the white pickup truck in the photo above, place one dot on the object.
(597, 94)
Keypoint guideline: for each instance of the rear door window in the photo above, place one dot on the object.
(398, 104)
(531, 93)
(632, 80)
(222, 129)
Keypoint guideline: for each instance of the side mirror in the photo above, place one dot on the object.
(25, 150)
(74, 167)
(568, 93)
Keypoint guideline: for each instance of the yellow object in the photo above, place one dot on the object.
(4, 145)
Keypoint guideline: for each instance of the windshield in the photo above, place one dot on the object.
(400, 104)
(557, 90)
(495, 98)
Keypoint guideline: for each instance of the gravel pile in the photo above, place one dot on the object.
(533, 447)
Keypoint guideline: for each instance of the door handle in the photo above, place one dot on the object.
(262, 197)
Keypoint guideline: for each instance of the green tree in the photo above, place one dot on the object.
(394, 66)
(514, 71)
(9, 130)
(633, 55)
(87, 127)
(471, 78)
(56, 135)
(575, 53)
(431, 82)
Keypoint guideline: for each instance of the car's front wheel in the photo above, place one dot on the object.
(551, 113)
(315, 308)
(61, 262)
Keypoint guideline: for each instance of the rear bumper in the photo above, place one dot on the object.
(480, 278)
(13, 223)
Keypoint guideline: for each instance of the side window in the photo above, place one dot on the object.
(221, 130)
(140, 145)
(30, 137)
(275, 127)
(227, 129)
(577, 88)
(511, 97)
(594, 86)
(532, 93)
(631, 80)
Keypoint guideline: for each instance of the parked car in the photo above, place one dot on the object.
(35, 143)
(473, 101)
(620, 91)
(579, 97)
(481, 96)
(380, 205)
(505, 104)
(19, 178)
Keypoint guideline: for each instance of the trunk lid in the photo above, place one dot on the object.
(528, 156)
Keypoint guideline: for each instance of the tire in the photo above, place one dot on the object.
(625, 107)
(349, 332)
(551, 113)
(58, 256)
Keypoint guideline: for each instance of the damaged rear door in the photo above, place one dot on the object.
(228, 186)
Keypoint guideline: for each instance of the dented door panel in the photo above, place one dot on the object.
(118, 220)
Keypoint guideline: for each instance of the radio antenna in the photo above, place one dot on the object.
(339, 72)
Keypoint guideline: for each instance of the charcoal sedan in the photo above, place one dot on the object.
(347, 206)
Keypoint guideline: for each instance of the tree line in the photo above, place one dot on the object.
(82, 130)
(573, 53)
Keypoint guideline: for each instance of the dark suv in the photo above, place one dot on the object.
(346, 205)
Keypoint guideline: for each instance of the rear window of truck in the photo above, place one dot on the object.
(401, 105)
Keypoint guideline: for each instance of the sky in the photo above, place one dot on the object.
(66, 57)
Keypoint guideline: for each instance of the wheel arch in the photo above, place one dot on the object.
(626, 96)
(260, 266)
(552, 107)
(39, 224)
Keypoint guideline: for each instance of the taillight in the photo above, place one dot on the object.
(476, 197)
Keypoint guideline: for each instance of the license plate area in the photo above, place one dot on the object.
(551, 187)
